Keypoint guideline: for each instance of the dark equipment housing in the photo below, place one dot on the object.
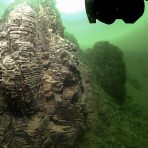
(107, 11)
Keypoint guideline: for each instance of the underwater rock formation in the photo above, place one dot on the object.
(41, 97)
(107, 64)
(110, 123)
(71, 38)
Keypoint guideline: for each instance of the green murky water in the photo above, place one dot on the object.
(132, 39)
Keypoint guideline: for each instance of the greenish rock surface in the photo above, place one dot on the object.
(108, 68)
(110, 123)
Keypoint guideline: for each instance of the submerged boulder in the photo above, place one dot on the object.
(41, 89)
(108, 67)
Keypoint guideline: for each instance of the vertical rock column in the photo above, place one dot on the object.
(21, 68)
(41, 99)
(3, 50)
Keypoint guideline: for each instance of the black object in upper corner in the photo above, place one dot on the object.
(107, 11)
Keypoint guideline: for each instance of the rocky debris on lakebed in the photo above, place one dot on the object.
(41, 97)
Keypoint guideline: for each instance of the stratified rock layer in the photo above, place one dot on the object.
(41, 90)
(21, 68)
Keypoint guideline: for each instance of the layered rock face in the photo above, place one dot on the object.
(21, 68)
(41, 93)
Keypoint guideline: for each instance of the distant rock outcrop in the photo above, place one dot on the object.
(41, 103)
(107, 64)
(111, 122)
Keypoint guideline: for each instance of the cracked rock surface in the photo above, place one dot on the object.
(41, 93)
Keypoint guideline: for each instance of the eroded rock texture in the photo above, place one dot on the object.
(40, 83)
